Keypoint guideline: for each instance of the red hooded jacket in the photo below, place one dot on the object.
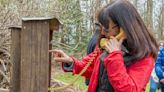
(123, 79)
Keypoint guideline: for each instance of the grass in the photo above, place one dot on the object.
(67, 78)
(80, 83)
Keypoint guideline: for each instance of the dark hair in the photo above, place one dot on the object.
(139, 41)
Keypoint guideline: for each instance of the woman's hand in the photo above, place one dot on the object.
(60, 56)
(113, 44)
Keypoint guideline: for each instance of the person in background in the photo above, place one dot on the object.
(122, 65)
(159, 68)
(92, 43)
(154, 81)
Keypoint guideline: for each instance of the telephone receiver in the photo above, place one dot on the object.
(104, 41)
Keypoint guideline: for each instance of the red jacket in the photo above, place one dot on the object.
(123, 79)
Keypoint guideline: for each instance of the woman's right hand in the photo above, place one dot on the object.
(60, 56)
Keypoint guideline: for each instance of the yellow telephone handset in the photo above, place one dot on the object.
(104, 41)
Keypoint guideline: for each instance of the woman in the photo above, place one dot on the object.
(124, 65)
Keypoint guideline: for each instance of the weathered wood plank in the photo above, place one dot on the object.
(34, 43)
(25, 84)
(37, 53)
(15, 58)
(44, 62)
(4, 90)
(35, 56)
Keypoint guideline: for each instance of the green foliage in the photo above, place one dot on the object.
(72, 34)
(3, 2)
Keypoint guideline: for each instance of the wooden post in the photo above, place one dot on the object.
(35, 60)
(4, 90)
(15, 59)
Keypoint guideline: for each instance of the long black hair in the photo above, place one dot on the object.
(139, 41)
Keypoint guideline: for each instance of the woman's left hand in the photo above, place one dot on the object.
(113, 44)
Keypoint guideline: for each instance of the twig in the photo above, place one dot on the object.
(3, 64)
(56, 44)
(5, 18)
(4, 75)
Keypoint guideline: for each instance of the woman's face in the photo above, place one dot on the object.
(113, 30)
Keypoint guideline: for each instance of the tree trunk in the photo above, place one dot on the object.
(160, 23)
(149, 21)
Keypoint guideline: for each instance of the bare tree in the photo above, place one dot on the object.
(149, 18)
(161, 22)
